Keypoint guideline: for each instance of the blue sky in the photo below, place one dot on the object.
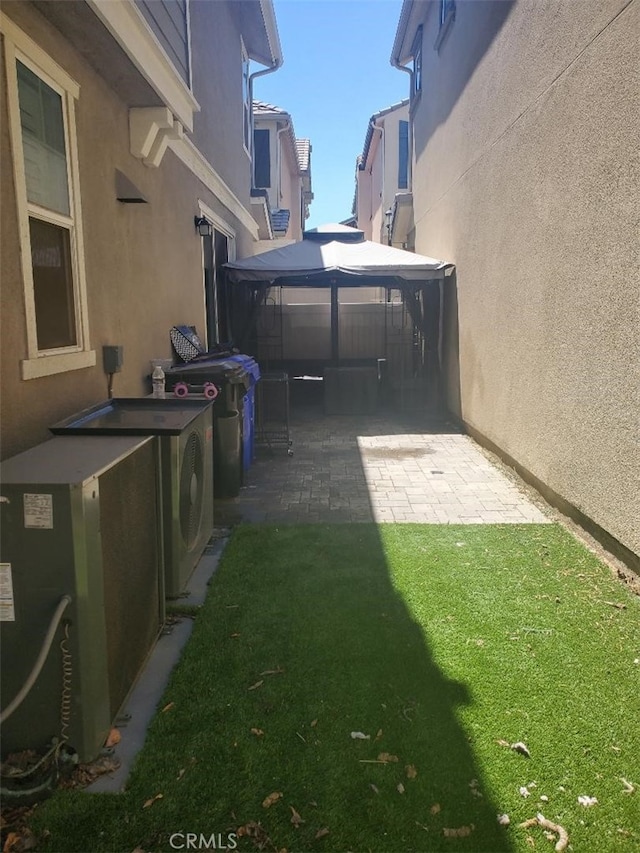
(336, 74)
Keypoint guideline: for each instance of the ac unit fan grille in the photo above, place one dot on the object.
(191, 489)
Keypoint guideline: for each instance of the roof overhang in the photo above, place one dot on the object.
(402, 220)
(410, 16)
(262, 213)
(257, 22)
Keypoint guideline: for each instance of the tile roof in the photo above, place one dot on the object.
(280, 219)
(303, 147)
(262, 107)
(372, 120)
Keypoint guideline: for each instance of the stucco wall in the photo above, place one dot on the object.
(526, 177)
(143, 261)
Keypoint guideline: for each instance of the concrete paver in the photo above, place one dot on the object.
(377, 468)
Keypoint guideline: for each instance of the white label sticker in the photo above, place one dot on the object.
(7, 611)
(38, 511)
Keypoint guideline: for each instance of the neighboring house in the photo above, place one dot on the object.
(122, 123)
(282, 174)
(382, 172)
(525, 131)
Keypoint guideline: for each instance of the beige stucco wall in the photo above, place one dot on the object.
(526, 177)
(143, 262)
(285, 191)
(378, 181)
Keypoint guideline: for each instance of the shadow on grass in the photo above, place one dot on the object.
(302, 641)
(305, 639)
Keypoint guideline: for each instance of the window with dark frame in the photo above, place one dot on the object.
(261, 158)
(403, 155)
(416, 77)
(447, 8)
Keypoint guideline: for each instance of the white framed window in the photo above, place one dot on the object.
(246, 100)
(41, 99)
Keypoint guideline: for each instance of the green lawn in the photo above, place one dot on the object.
(438, 643)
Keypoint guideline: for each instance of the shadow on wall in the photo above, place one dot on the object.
(483, 21)
(451, 348)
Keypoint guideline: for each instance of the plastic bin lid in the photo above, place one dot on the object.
(249, 363)
(219, 371)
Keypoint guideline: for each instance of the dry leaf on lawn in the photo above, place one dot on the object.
(180, 774)
(296, 820)
(521, 748)
(168, 707)
(277, 671)
(360, 736)
(256, 685)
(322, 832)
(435, 808)
(379, 735)
(20, 842)
(373, 788)
(152, 800)
(257, 732)
(313, 723)
(629, 787)
(113, 738)
(458, 832)
(411, 771)
(400, 788)
(271, 799)
(234, 636)
(387, 758)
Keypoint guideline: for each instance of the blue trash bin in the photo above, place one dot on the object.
(252, 368)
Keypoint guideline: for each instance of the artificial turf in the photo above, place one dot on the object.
(443, 645)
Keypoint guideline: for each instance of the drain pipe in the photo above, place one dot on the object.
(269, 18)
(37, 667)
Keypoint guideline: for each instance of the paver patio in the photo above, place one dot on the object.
(382, 468)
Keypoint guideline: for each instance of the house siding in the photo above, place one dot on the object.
(525, 176)
(218, 127)
(168, 20)
(143, 261)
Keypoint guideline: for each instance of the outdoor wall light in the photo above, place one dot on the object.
(388, 215)
(203, 226)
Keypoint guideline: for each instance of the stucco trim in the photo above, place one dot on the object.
(220, 225)
(129, 28)
(28, 46)
(188, 154)
(35, 368)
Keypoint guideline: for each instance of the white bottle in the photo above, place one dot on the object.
(157, 380)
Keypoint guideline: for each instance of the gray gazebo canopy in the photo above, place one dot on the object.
(336, 254)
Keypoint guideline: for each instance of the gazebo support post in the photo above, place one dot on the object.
(335, 329)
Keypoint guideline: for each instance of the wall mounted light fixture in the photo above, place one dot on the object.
(203, 226)
(388, 215)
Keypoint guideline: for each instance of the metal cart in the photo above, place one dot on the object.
(272, 411)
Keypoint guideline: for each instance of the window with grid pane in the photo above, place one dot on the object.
(50, 223)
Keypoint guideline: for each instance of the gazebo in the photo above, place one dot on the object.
(336, 257)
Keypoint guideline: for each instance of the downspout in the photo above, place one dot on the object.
(279, 158)
(269, 18)
(408, 71)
